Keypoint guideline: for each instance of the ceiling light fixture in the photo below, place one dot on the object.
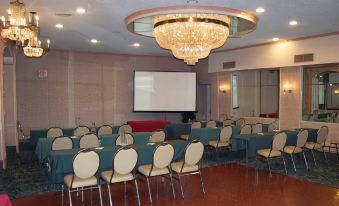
(136, 44)
(94, 41)
(81, 10)
(260, 10)
(293, 23)
(275, 39)
(59, 26)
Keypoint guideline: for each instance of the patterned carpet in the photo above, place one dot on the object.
(25, 176)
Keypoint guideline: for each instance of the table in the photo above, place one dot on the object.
(253, 142)
(61, 161)
(207, 134)
(44, 145)
(147, 125)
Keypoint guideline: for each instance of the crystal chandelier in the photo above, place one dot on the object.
(34, 48)
(191, 36)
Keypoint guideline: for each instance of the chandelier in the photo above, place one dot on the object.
(191, 36)
(34, 48)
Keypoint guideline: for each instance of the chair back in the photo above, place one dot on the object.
(129, 139)
(54, 132)
(225, 134)
(61, 143)
(194, 152)
(322, 134)
(302, 137)
(246, 129)
(158, 136)
(211, 124)
(240, 122)
(125, 128)
(89, 140)
(86, 164)
(163, 155)
(196, 125)
(105, 129)
(273, 126)
(81, 130)
(124, 160)
(279, 141)
(257, 128)
(227, 122)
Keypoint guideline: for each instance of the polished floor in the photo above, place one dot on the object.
(231, 184)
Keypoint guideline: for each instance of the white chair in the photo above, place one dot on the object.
(61, 143)
(227, 122)
(190, 164)
(54, 132)
(124, 139)
(211, 124)
(224, 139)
(162, 158)
(240, 122)
(320, 144)
(90, 140)
(81, 130)
(125, 128)
(298, 148)
(246, 129)
(85, 166)
(124, 161)
(105, 129)
(273, 126)
(257, 128)
(278, 144)
(194, 125)
(158, 136)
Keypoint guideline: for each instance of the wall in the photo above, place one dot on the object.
(10, 122)
(2, 126)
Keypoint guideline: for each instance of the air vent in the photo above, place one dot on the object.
(63, 15)
(303, 58)
(228, 65)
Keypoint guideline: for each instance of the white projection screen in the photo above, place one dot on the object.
(164, 91)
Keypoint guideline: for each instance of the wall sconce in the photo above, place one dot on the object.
(223, 88)
(287, 88)
(336, 91)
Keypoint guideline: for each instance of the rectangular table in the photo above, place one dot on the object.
(61, 161)
(44, 145)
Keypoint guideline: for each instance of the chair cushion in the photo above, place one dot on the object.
(335, 141)
(289, 149)
(214, 143)
(266, 153)
(184, 136)
(78, 182)
(176, 166)
(117, 177)
(313, 145)
(145, 169)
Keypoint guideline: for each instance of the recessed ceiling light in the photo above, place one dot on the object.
(81, 10)
(59, 26)
(136, 44)
(94, 41)
(260, 10)
(293, 22)
(275, 39)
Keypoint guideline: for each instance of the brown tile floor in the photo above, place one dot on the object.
(231, 184)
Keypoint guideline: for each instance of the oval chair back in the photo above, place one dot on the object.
(240, 122)
(129, 139)
(246, 129)
(257, 128)
(302, 138)
(227, 122)
(86, 163)
(61, 143)
(225, 134)
(105, 129)
(54, 132)
(211, 124)
(158, 136)
(273, 126)
(163, 155)
(124, 160)
(196, 125)
(89, 140)
(279, 141)
(125, 128)
(322, 135)
(81, 130)
(194, 152)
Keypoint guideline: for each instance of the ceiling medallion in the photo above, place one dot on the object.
(191, 32)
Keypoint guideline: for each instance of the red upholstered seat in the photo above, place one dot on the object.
(5, 201)
(147, 125)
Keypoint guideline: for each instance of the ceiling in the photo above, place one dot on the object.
(104, 21)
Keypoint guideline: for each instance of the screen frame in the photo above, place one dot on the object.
(165, 111)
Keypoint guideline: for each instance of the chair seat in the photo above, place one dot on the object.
(79, 182)
(176, 166)
(145, 169)
(266, 153)
(214, 143)
(292, 149)
(185, 136)
(313, 145)
(116, 177)
(335, 141)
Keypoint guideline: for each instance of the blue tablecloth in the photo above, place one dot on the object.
(61, 161)
(207, 134)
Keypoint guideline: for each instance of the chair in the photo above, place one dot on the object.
(246, 129)
(129, 139)
(81, 130)
(240, 122)
(194, 125)
(54, 132)
(61, 143)
(190, 164)
(224, 139)
(85, 165)
(162, 158)
(257, 128)
(273, 126)
(105, 129)
(23, 138)
(211, 124)
(123, 164)
(158, 136)
(227, 122)
(320, 144)
(89, 140)
(278, 144)
(125, 128)
(298, 148)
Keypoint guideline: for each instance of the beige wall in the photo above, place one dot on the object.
(9, 106)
